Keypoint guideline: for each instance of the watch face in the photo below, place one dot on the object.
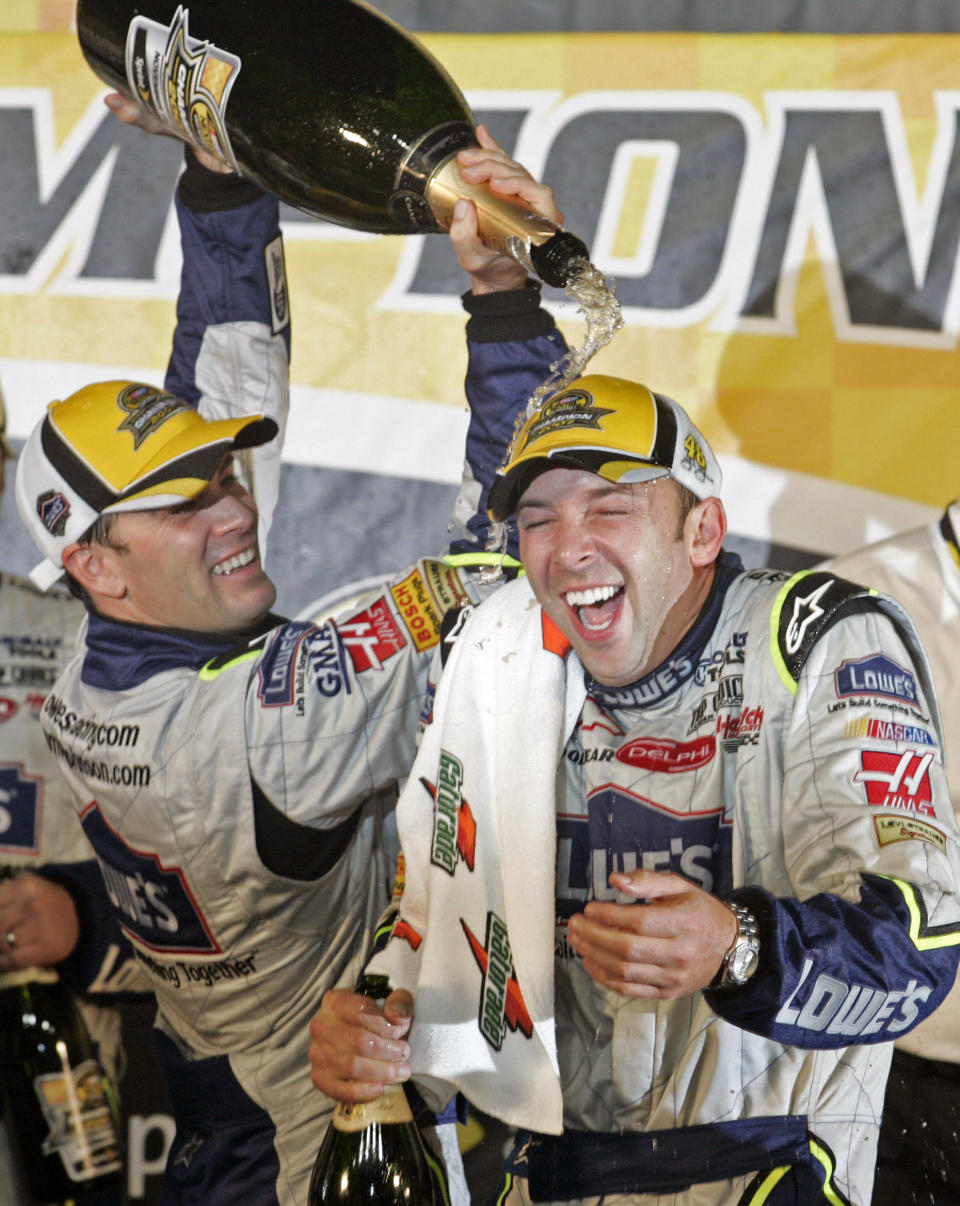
(743, 963)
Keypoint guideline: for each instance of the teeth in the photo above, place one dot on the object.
(235, 563)
(583, 598)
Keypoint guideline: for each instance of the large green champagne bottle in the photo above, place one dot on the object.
(60, 1108)
(372, 1152)
(329, 105)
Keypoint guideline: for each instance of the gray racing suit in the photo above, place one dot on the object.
(786, 756)
(239, 800)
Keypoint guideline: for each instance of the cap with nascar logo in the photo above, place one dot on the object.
(610, 426)
(117, 446)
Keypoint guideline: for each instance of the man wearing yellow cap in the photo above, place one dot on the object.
(232, 335)
(234, 772)
(712, 865)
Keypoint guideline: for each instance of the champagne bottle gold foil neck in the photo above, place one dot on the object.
(390, 1108)
(500, 219)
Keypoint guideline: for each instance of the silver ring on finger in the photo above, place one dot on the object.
(11, 939)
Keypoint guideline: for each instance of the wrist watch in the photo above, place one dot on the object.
(740, 961)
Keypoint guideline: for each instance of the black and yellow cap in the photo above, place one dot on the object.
(612, 427)
(118, 446)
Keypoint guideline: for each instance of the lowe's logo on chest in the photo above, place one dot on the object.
(153, 903)
(624, 832)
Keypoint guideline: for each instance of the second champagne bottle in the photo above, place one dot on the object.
(373, 1152)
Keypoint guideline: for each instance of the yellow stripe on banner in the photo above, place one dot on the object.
(922, 937)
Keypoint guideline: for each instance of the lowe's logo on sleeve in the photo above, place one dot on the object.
(826, 1005)
(277, 666)
(876, 675)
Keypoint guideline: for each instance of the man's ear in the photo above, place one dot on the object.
(95, 567)
(704, 530)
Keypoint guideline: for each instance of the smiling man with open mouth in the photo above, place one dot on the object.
(713, 853)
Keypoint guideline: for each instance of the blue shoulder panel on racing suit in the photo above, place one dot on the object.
(510, 354)
(224, 280)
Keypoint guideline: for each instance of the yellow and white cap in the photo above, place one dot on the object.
(616, 428)
(117, 446)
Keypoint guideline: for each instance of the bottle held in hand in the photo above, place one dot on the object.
(332, 107)
(372, 1152)
(59, 1106)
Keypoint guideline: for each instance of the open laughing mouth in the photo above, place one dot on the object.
(236, 562)
(596, 608)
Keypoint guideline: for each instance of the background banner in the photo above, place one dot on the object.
(780, 212)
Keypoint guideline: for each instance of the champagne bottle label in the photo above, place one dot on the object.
(408, 201)
(80, 1124)
(182, 80)
(390, 1107)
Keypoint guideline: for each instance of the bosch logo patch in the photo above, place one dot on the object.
(54, 511)
(417, 610)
